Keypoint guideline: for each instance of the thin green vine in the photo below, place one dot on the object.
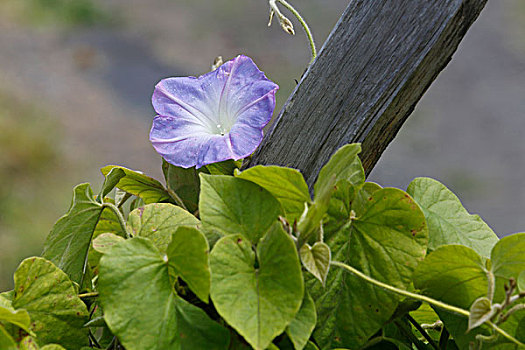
(424, 298)
(287, 25)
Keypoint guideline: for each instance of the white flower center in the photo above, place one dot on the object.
(222, 130)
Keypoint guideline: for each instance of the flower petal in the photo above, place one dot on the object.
(178, 140)
(216, 149)
(244, 139)
(186, 98)
(247, 85)
(194, 114)
(259, 113)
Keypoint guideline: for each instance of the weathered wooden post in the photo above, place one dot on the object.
(373, 69)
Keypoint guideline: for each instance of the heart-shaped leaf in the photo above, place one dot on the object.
(19, 318)
(158, 222)
(188, 254)
(302, 326)
(345, 170)
(108, 223)
(448, 221)
(6, 341)
(456, 275)
(316, 260)
(68, 243)
(259, 302)
(140, 185)
(520, 330)
(184, 182)
(386, 241)
(28, 343)
(364, 195)
(226, 167)
(508, 256)
(111, 180)
(53, 347)
(231, 205)
(141, 308)
(309, 226)
(285, 184)
(343, 165)
(480, 312)
(48, 295)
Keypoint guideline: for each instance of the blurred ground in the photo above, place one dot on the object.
(76, 77)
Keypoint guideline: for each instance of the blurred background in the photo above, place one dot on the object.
(76, 78)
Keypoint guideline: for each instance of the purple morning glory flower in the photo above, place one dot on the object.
(217, 116)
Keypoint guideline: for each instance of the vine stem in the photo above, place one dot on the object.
(424, 298)
(121, 220)
(88, 295)
(307, 30)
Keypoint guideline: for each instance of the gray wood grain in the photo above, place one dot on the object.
(374, 67)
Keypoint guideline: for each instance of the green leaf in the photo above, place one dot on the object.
(309, 225)
(448, 221)
(28, 343)
(285, 184)
(508, 256)
(158, 222)
(226, 167)
(364, 195)
(105, 241)
(19, 318)
(348, 175)
(50, 298)
(457, 275)
(520, 330)
(134, 280)
(6, 299)
(521, 281)
(339, 207)
(130, 275)
(480, 312)
(197, 331)
(184, 182)
(6, 341)
(344, 165)
(454, 274)
(108, 222)
(311, 346)
(68, 243)
(231, 205)
(188, 254)
(140, 185)
(258, 302)
(111, 180)
(53, 347)
(302, 326)
(316, 260)
(386, 241)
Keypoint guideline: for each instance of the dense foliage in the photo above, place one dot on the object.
(218, 258)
